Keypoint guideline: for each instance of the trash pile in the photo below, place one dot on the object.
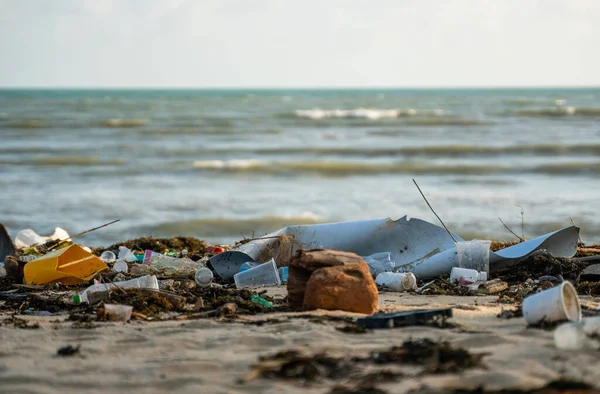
(336, 266)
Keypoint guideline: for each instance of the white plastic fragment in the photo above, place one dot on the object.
(27, 238)
(379, 262)
(580, 335)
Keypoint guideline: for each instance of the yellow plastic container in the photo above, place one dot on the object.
(72, 266)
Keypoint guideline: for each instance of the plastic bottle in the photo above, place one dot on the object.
(2, 270)
(143, 282)
(397, 281)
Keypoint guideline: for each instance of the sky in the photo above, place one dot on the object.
(299, 43)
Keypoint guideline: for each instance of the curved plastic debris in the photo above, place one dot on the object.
(407, 240)
(415, 245)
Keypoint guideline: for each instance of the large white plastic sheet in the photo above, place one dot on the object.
(415, 245)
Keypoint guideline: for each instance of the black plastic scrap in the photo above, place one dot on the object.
(408, 318)
(6, 245)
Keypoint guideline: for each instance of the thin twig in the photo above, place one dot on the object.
(83, 232)
(522, 221)
(512, 232)
(452, 236)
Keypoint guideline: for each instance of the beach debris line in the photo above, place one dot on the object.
(335, 266)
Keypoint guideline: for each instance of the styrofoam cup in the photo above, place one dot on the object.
(397, 281)
(467, 274)
(474, 255)
(557, 304)
(262, 275)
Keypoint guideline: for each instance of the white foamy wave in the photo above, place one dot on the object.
(236, 163)
(366, 113)
(308, 215)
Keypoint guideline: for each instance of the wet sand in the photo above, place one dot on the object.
(208, 356)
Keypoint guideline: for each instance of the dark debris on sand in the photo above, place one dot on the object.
(560, 386)
(361, 372)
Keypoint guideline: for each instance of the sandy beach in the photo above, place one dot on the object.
(212, 356)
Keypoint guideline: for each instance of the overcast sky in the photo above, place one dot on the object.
(299, 43)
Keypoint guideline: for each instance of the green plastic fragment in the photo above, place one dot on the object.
(261, 301)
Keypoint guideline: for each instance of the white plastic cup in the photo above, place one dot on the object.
(397, 281)
(262, 275)
(108, 257)
(474, 255)
(204, 276)
(467, 274)
(559, 303)
(148, 282)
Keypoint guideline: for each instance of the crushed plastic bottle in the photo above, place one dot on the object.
(379, 262)
(156, 263)
(126, 255)
(144, 282)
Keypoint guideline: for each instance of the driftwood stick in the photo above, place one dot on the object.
(424, 198)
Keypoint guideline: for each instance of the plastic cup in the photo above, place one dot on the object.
(114, 312)
(148, 282)
(283, 274)
(397, 281)
(262, 275)
(120, 266)
(557, 304)
(108, 257)
(474, 255)
(467, 274)
(204, 276)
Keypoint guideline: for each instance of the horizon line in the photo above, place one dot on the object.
(299, 87)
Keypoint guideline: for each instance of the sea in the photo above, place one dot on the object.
(228, 164)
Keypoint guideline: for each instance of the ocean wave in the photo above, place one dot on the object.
(122, 122)
(221, 227)
(366, 113)
(431, 151)
(228, 164)
(448, 121)
(208, 131)
(360, 168)
(71, 161)
(560, 111)
(29, 124)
